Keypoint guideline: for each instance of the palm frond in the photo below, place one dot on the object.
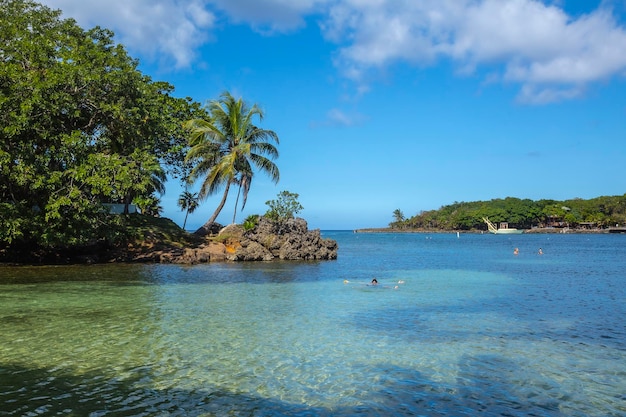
(227, 147)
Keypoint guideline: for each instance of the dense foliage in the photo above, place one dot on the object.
(598, 212)
(80, 125)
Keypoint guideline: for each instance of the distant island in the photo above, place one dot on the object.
(597, 215)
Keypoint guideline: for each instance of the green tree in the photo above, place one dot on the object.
(79, 126)
(398, 218)
(285, 207)
(188, 201)
(603, 211)
(225, 149)
(149, 205)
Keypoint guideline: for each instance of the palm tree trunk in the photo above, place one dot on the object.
(185, 222)
(236, 203)
(206, 227)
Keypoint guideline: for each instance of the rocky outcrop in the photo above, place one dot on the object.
(289, 240)
(210, 252)
(268, 240)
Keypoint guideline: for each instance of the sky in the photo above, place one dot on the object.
(396, 104)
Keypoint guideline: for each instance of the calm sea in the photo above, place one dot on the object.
(458, 326)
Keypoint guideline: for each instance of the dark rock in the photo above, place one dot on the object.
(210, 252)
(253, 251)
(289, 240)
(213, 229)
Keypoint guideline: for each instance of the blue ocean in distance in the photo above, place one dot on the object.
(458, 326)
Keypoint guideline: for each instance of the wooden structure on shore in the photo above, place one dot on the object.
(504, 228)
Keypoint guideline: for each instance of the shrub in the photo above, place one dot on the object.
(285, 207)
(250, 222)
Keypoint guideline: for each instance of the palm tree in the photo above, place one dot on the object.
(398, 218)
(226, 149)
(398, 215)
(188, 201)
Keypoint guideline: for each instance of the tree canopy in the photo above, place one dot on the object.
(80, 125)
(284, 207)
(521, 213)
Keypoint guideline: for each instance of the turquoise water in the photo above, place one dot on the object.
(470, 330)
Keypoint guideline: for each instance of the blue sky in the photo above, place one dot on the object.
(397, 104)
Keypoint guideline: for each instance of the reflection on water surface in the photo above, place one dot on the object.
(471, 330)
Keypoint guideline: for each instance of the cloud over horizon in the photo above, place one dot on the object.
(550, 55)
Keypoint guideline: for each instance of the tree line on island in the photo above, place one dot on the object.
(596, 213)
(81, 126)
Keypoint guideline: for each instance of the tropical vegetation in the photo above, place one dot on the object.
(188, 202)
(82, 131)
(80, 126)
(599, 212)
(226, 148)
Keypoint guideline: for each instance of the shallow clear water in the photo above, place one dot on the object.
(472, 330)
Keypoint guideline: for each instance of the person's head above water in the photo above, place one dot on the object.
(374, 281)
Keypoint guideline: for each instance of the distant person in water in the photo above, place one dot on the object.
(540, 251)
(374, 281)
(516, 251)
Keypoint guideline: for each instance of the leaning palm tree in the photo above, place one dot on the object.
(188, 201)
(226, 148)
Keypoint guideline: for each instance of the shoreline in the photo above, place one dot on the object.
(290, 240)
(545, 230)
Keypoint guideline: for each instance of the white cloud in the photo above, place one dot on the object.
(270, 15)
(532, 94)
(175, 29)
(170, 29)
(551, 54)
(339, 118)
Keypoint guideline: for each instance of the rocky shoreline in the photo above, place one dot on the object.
(267, 241)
